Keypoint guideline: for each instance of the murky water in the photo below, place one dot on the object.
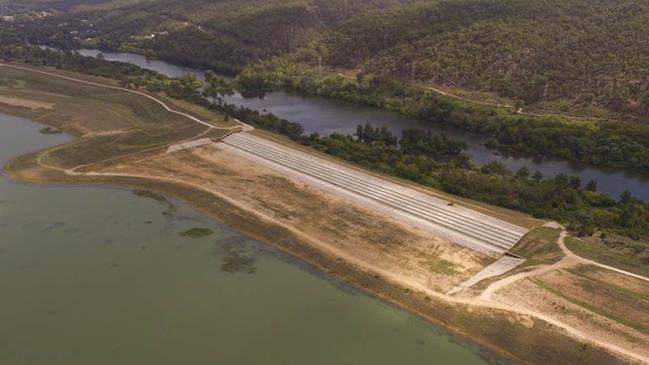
(101, 276)
(327, 116)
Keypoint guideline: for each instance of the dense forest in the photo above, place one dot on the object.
(583, 55)
(588, 52)
(217, 34)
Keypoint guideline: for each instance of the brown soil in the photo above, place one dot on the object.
(558, 302)
(350, 229)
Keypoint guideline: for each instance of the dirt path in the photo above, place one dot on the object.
(569, 259)
(586, 261)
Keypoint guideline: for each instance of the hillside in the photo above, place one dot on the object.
(222, 35)
(582, 56)
(586, 53)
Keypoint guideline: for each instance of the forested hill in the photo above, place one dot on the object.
(588, 52)
(223, 35)
(588, 56)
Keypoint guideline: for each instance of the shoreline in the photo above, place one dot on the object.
(306, 262)
(460, 320)
(528, 336)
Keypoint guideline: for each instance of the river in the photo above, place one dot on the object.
(92, 275)
(325, 116)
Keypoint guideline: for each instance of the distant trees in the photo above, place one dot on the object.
(440, 147)
(603, 143)
(184, 87)
(368, 134)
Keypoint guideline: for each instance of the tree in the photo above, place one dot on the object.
(523, 173)
(626, 197)
(575, 182)
(591, 186)
(217, 87)
(495, 168)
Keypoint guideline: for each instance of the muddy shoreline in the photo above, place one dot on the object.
(501, 334)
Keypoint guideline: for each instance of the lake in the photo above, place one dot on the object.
(94, 275)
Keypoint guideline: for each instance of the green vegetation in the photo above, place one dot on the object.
(566, 55)
(602, 143)
(422, 157)
(590, 53)
(196, 233)
(579, 54)
(621, 256)
(217, 34)
(445, 167)
(539, 246)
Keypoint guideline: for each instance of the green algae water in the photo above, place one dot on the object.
(104, 276)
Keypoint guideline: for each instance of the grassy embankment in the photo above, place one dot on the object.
(602, 254)
(539, 247)
(85, 111)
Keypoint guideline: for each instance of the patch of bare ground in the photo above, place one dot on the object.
(561, 295)
(25, 103)
(376, 239)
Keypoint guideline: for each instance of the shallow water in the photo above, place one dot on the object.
(101, 276)
(327, 116)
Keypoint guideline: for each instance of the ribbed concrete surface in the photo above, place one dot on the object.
(463, 226)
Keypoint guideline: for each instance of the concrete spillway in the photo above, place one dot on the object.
(458, 224)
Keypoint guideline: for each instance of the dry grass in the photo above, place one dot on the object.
(115, 123)
(608, 301)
